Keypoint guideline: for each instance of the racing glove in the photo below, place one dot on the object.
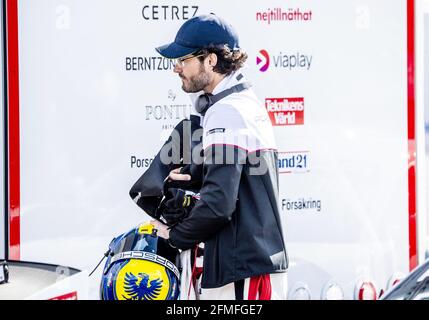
(177, 205)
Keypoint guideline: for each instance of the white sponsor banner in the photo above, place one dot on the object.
(97, 102)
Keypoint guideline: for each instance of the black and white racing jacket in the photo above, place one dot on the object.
(237, 216)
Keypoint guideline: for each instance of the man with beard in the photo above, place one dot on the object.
(237, 217)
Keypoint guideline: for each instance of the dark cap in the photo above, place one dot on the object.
(200, 32)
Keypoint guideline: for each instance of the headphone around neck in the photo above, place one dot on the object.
(206, 100)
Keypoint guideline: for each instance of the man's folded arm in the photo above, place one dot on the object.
(223, 166)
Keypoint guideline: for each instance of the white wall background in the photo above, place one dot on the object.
(2, 168)
(425, 88)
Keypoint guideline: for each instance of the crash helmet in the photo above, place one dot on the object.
(140, 267)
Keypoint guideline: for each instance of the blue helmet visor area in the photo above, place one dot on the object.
(134, 241)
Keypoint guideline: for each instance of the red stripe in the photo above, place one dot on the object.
(238, 147)
(294, 152)
(68, 296)
(13, 129)
(260, 288)
(412, 234)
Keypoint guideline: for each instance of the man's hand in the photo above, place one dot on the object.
(177, 176)
(163, 230)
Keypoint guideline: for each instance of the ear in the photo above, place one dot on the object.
(212, 59)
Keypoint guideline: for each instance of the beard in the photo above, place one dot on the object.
(197, 82)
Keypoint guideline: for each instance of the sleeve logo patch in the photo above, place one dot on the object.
(215, 130)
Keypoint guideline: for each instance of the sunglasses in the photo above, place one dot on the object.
(181, 61)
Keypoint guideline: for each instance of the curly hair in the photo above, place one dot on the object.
(228, 60)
